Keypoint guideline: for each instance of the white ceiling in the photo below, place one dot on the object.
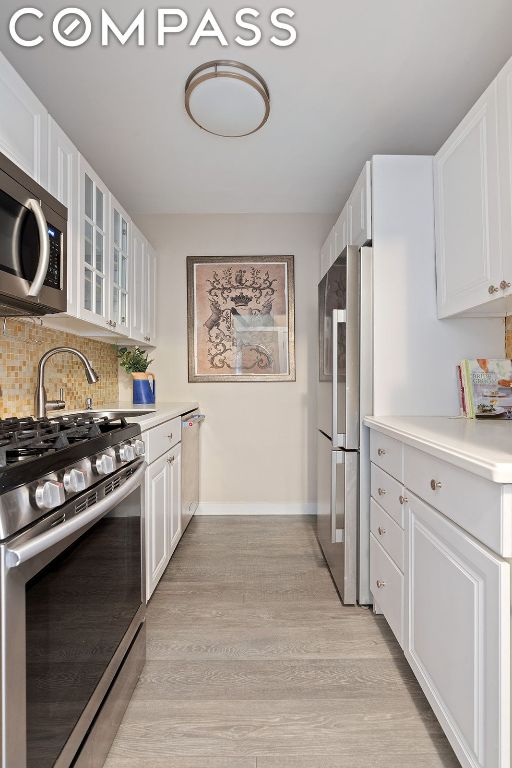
(364, 77)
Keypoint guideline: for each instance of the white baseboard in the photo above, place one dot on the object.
(255, 508)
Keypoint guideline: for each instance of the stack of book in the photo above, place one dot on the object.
(485, 388)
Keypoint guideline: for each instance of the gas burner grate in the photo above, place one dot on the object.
(23, 439)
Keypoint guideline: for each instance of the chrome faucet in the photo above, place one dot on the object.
(41, 403)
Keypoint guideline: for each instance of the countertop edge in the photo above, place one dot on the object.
(496, 472)
(160, 412)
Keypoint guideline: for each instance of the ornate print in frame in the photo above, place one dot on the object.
(241, 318)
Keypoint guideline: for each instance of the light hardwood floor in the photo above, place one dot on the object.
(253, 662)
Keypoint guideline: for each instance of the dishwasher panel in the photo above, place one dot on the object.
(190, 426)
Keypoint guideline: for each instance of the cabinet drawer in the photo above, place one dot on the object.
(476, 504)
(387, 453)
(159, 439)
(389, 535)
(389, 493)
(389, 596)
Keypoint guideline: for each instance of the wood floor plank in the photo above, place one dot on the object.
(246, 680)
(256, 728)
(253, 662)
(361, 759)
(376, 641)
(181, 761)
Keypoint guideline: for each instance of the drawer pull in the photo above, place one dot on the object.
(170, 436)
(380, 584)
(381, 531)
(381, 452)
(171, 460)
(436, 485)
(403, 500)
(381, 491)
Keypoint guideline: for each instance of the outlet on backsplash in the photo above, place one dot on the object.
(20, 351)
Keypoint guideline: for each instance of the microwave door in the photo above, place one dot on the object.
(32, 251)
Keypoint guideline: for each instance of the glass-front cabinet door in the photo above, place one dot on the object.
(94, 231)
(120, 254)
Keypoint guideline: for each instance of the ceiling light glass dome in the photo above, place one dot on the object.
(227, 98)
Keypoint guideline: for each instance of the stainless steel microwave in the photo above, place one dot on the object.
(33, 234)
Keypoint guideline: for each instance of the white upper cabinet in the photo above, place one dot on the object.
(341, 233)
(354, 224)
(468, 216)
(138, 281)
(120, 257)
(327, 253)
(94, 243)
(23, 125)
(150, 312)
(63, 175)
(505, 151)
(111, 272)
(359, 210)
(143, 295)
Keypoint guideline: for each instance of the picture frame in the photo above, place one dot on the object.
(241, 318)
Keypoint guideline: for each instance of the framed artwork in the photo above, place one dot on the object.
(241, 318)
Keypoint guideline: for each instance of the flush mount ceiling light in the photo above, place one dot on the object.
(227, 98)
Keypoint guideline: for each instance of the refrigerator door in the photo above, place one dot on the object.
(339, 350)
(337, 515)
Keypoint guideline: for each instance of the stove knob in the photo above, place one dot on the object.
(140, 447)
(74, 481)
(50, 495)
(104, 464)
(127, 452)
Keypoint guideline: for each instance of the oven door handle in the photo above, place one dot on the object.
(30, 549)
(44, 247)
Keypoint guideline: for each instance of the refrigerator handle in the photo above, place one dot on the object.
(339, 316)
(337, 534)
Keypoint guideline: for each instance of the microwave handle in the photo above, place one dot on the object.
(44, 253)
(16, 556)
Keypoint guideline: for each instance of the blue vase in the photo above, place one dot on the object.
(143, 388)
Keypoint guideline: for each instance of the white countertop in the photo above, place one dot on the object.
(482, 447)
(159, 413)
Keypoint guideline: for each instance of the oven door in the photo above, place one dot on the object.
(72, 603)
(32, 252)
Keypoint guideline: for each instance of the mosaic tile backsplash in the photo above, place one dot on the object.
(20, 351)
(508, 337)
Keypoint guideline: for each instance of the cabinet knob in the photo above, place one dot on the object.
(493, 289)
(380, 584)
(171, 460)
(436, 485)
(504, 285)
(381, 531)
(403, 499)
(381, 452)
(381, 491)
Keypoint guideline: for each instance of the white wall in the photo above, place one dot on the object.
(258, 442)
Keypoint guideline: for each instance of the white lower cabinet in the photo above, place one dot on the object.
(444, 587)
(458, 608)
(162, 511)
(156, 513)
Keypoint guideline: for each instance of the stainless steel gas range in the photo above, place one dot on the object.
(72, 602)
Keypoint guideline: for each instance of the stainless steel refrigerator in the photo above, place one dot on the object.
(344, 397)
